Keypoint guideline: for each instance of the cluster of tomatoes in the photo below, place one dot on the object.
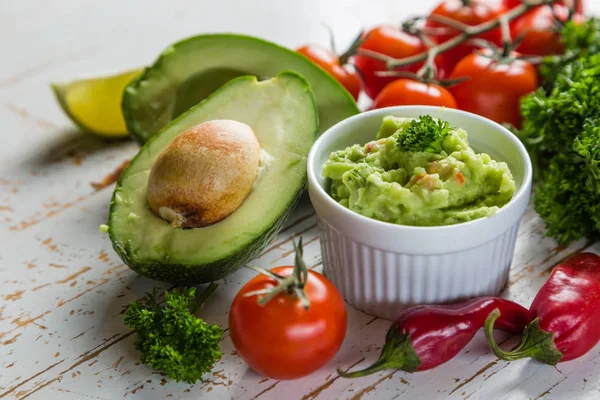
(491, 86)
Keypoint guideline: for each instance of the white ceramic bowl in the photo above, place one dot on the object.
(382, 268)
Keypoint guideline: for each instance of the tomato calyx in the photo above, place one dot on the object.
(427, 73)
(291, 285)
(415, 26)
(504, 55)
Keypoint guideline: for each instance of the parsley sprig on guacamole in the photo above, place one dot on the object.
(424, 134)
(419, 172)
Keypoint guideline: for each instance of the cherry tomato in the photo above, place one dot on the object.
(493, 89)
(471, 13)
(281, 339)
(513, 3)
(538, 27)
(404, 92)
(391, 41)
(330, 62)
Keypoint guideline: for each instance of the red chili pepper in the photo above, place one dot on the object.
(424, 337)
(566, 312)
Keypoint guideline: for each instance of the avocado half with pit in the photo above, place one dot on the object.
(190, 70)
(282, 114)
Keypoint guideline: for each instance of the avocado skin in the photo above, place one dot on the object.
(193, 274)
(182, 274)
(131, 106)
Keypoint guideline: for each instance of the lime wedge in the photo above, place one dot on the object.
(94, 105)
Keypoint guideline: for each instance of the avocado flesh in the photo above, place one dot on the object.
(282, 112)
(191, 69)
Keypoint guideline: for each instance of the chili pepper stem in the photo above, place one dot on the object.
(536, 343)
(397, 353)
(377, 366)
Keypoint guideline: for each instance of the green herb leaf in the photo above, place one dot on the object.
(171, 339)
(561, 130)
(586, 36)
(425, 134)
(579, 40)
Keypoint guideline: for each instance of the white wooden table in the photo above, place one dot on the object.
(63, 289)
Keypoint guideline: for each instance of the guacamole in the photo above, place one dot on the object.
(418, 172)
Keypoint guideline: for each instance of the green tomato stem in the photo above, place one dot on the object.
(283, 286)
(449, 22)
(266, 272)
(507, 42)
(292, 285)
(356, 43)
(467, 32)
(300, 268)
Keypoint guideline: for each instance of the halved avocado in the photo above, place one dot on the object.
(282, 113)
(191, 69)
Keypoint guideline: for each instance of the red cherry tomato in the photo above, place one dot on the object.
(538, 27)
(281, 339)
(493, 89)
(330, 62)
(471, 13)
(404, 92)
(513, 3)
(394, 42)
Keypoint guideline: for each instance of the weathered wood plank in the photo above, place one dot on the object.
(63, 289)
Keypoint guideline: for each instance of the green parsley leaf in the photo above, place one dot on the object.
(171, 339)
(425, 134)
(582, 37)
(579, 40)
(561, 130)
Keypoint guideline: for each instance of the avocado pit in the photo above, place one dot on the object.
(204, 174)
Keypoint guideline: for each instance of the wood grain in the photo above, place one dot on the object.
(63, 290)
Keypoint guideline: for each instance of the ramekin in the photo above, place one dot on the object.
(382, 268)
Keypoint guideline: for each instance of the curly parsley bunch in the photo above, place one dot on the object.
(171, 339)
(561, 130)
(424, 134)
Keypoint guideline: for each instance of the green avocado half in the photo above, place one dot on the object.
(283, 115)
(191, 69)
